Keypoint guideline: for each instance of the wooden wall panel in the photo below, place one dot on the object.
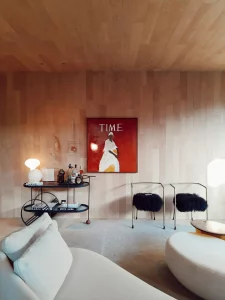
(181, 129)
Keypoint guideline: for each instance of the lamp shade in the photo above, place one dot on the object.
(32, 163)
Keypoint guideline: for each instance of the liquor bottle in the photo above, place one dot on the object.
(73, 172)
(81, 171)
(79, 179)
(76, 170)
(61, 176)
(69, 173)
(73, 175)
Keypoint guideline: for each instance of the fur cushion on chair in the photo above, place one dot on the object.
(190, 202)
(147, 202)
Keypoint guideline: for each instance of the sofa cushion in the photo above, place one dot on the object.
(92, 276)
(16, 243)
(12, 287)
(45, 264)
(41, 224)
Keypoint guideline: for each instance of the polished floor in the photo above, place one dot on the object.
(139, 250)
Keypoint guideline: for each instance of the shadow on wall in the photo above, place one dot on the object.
(122, 208)
(118, 208)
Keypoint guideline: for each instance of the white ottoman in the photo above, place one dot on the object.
(198, 262)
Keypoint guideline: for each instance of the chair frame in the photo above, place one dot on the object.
(133, 207)
(175, 199)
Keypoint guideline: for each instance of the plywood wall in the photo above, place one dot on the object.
(181, 129)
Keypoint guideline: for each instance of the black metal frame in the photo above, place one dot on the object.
(36, 213)
(52, 212)
(41, 193)
(132, 194)
(175, 199)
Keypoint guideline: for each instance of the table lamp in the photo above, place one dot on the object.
(34, 176)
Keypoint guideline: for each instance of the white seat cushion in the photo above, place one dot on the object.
(41, 224)
(92, 276)
(16, 243)
(12, 287)
(198, 261)
(45, 264)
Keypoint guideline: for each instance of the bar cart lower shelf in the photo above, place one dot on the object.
(37, 206)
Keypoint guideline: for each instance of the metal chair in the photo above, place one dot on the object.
(193, 208)
(133, 206)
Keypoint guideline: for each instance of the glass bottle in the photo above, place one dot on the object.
(76, 170)
(61, 176)
(69, 173)
(81, 170)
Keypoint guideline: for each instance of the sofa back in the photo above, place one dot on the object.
(11, 285)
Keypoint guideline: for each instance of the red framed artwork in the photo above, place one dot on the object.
(112, 145)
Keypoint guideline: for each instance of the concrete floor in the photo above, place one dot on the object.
(139, 251)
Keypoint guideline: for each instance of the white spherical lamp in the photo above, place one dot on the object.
(34, 176)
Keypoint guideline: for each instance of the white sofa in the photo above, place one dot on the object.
(198, 262)
(90, 276)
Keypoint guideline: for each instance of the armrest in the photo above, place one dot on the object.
(11, 285)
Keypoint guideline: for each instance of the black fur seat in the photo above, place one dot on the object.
(186, 202)
(147, 202)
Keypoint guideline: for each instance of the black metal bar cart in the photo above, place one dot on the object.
(36, 206)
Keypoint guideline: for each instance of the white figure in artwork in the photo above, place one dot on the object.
(109, 161)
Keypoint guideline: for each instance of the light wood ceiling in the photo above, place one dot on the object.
(66, 35)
